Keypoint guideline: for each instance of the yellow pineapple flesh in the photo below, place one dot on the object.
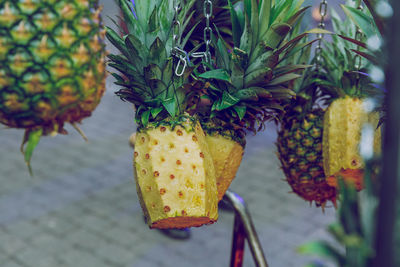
(175, 176)
(227, 155)
(343, 122)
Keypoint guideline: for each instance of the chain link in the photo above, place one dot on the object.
(208, 11)
(359, 36)
(176, 24)
(323, 12)
(179, 53)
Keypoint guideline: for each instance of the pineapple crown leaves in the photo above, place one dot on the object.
(249, 82)
(145, 65)
(340, 76)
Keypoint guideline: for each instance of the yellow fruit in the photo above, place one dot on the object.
(175, 176)
(343, 122)
(227, 156)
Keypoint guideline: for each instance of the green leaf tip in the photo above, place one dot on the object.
(31, 139)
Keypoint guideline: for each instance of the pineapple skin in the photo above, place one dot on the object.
(227, 155)
(52, 62)
(299, 147)
(343, 122)
(175, 176)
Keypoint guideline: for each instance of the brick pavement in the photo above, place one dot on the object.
(81, 209)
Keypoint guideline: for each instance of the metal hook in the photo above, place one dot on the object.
(182, 60)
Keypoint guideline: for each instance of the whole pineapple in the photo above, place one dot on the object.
(248, 84)
(52, 65)
(174, 173)
(299, 142)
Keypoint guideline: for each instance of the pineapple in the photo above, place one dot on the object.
(174, 173)
(52, 65)
(346, 115)
(300, 153)
(300, 133)
(227, 150)
(343, 124)
(247, 86)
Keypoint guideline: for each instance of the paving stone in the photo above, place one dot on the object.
(85, 239)
(79, 258)
(112, 252)
(11, 263)
(11, 244)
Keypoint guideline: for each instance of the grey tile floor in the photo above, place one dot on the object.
(81, 209)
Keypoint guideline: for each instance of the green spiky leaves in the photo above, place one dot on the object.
(145, 65)
(340, 74)
(249, 82)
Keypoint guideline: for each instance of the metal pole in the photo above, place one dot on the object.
(390, 175)
(242, 214)
(238, 242)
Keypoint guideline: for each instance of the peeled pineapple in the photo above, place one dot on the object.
(343, 122)
(175, 176)
(227, 155)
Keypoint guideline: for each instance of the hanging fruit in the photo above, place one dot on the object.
(299, 141)
(246, 87)
(174, 172)
(52, 65)
(345, 79)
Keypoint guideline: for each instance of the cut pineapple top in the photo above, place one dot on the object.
(174, 173)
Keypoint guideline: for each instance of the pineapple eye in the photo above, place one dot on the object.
(172, 176)
(186, 150)
(178, 162)
(156, 174)
(167, 209)
(163, 129)
(179, 133)
(194, 138)
(201, 155)
(162, 191)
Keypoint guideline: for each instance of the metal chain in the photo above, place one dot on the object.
(323, 12)
(358, 37)
(176, 50)
(208, 11)
(176, 25)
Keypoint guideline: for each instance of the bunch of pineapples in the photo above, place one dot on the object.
(180, 172)
(52, 65)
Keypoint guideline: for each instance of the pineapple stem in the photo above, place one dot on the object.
(79, 130)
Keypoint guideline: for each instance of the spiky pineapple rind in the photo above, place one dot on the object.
(300, 153)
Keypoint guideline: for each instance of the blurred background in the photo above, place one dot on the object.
(81, 209)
